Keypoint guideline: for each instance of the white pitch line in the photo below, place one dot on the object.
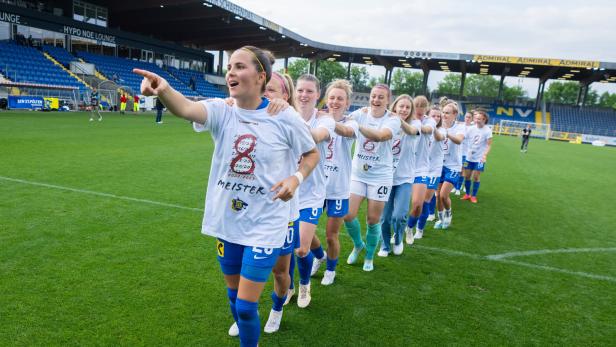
(549, 251)
(107, 195)
(524, 264)
(500, 258)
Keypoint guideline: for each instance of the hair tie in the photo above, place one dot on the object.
(282, 83)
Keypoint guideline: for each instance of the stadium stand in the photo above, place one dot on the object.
(60, 54)
(587, 120)
(26, 64)
(123, 69)
(202, 86)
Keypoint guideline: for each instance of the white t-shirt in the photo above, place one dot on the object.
(312, 191)
(338, 159)
(422, 150)
(478, 142)
(403, 151)
(453, 156)
(467, 141)
(373, 161)
(437, 156)
(251, 153)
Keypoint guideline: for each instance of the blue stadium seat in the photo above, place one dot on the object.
(202, 86)
(587, 120)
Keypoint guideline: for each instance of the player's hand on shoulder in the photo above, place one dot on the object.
(230, 101)
(152, 84)
(276, 106)
(364, 109)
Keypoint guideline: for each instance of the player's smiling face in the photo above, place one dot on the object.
(378, 99)
(274, 90)
(449, 115)
(242, 77)
(337, 102)
(403, 108)
(420, 110)
(480, 120)
(468, 118)
(307, 95)
(436, 115)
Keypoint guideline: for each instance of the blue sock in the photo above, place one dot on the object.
(331, 264)
(412, 221)
(248, 322)
(459, 182)
(467, 185)
(292, 271)
(475, 188)
(423, 217)
(432, 204)
(318, 252)
(278, 302)
(304, 265)
(232, 294)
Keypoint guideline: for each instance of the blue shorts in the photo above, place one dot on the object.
(291, 242)
(421, 180)
(474, 166)
(337, 208)
(450, 176)
(310, 215)
(433, 182)
(253, 263)
(463, 159)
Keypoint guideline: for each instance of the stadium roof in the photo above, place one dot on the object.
(222, 25)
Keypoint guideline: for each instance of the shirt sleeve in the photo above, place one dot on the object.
(215, 109)
(298, 134)
(393, 124)
(460, 131)
(328, 123)
(353, 125)
(489, 133)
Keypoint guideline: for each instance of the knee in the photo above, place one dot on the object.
(373, 219)
(302, 252)
(280, 275)
(332, 237)
(416, 209)
(246, 310)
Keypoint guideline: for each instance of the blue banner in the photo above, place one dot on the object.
(27, 102)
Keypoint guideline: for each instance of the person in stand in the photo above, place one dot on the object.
(123, 103)
(136, 103)
(525, 137)
(251, 178)
(94, 102)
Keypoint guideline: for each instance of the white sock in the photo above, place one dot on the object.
(448, 213)
(440, 215)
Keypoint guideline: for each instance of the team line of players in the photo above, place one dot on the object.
(409, 154)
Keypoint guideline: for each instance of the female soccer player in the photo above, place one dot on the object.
(403, 150)
(454, 135)
(372, 172)
(94, 102)
(480, 137)
(422, 167)
(468, 119)
(338, 161)
(435, 169)
(312, 191)
(250, 180)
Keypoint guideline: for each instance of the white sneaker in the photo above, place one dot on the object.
(409, 236)
(383, 253)
(273, 322)
(328, 277)
(431, 218)
(91, 119)
(234, 330)
(368, 265)
(303, 299)
(289, 296)
(438, 224)
(458, 192)
(352, 259)
(398, 249)
(316, 264)
(418, 234)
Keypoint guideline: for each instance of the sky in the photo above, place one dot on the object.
(543, 29)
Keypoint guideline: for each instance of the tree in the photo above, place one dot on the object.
(327, 70)
(511, 94)
(478, 85)
(562, 92)
(407, 82)
(375, 80)
(481, 85)
(607, 100)
(360, 79)
(450, 84)
(297, 68)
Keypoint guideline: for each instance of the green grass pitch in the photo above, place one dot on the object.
(100, 245)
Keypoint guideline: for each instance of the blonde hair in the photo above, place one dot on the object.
(403, 97)
(287, 86)
(421, 100)
(443, 101)
(340, 84)
(453, 105)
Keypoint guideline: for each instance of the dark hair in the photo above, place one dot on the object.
(311, 78)
(263, 61)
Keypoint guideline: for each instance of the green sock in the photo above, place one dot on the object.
(372, 239)
(354, 230)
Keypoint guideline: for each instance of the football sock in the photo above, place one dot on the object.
(277, 302)
(248, 322)
(372, 239)
(421, 224)
(292, 270)
(232, 294)
(331, 264)
(304, 265)
(318, 252)
(354, 230)
(475, 188)
(467, 185)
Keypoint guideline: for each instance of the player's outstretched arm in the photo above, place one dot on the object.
(377, 135)
(176, 103)
(408, 129)
(344, 130)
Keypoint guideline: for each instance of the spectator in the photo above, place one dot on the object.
(159, 111)
(123, 103)
(193, 83)
(136, 103)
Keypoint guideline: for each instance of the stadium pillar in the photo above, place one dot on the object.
(349, 68)
(540, 91)
(220, 57)
(579, 95)
(585, 96)
(502, 83)
(462, 81)
(286, 64)
(426, 74)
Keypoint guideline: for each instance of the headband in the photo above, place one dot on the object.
(284, 86)
(255, 55)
